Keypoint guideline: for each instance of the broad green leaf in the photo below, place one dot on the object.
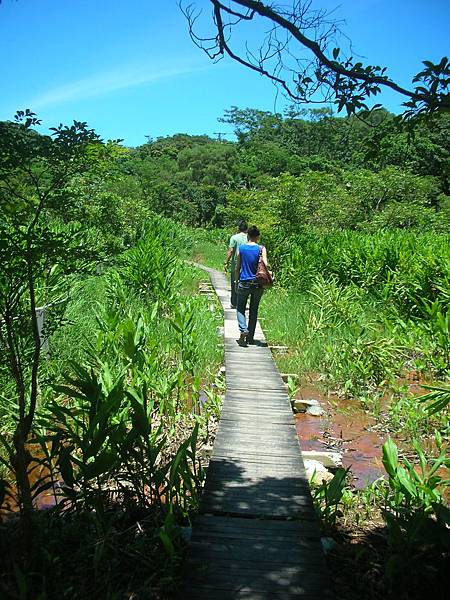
(390, 457)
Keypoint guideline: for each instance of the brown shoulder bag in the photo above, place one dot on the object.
(263, 275)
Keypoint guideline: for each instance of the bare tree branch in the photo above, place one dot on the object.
(325, 71)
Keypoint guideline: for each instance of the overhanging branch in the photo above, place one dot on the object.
(308, 78)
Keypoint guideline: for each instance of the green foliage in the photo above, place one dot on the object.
(405, 268)
(108, 443)
(117, 435)
(36, 242)
(438, 398)
(328, 498)
(415, 511)
(304, 168)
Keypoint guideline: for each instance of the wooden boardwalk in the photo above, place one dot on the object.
(256, 536)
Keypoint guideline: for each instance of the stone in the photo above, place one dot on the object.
(328, 544)
(315, 411)
(331, 460)
(302, 404)
(279, 349)
(186, 534)
(316, 470)
(285, 376)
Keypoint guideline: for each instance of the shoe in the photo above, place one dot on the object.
(242, 341)
(257, 343)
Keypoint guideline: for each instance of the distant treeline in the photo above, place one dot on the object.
(306, 168)
(295, 171)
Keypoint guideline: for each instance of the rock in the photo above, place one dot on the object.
(327, 459)
(285, 376)
(315, 470)
(315, 411)
(302, 404)
(186, 534)
(279, 349)
(327, 544)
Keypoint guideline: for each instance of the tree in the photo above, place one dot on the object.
(301, 55)
(35, 241)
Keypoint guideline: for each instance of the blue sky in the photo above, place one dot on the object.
(129, 68)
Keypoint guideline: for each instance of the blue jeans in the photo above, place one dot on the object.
(255, 291)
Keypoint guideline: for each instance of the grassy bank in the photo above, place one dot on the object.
(129, 398)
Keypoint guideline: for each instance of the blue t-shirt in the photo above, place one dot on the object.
(249, 261)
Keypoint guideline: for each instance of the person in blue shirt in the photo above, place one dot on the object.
(248, 286)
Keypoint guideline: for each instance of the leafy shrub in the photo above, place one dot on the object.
(415, 511)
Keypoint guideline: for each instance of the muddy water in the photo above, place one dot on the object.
(345, 428)
(37, 472)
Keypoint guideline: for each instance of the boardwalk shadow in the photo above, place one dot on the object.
(255, 537)
(272, 487)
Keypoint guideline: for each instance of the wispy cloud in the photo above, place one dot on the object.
(103, 83)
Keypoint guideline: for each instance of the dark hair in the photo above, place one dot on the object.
(242, 225)
(253, 232)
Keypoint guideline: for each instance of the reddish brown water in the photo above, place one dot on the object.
(344, 428)
(36, 473)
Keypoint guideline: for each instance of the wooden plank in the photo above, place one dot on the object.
(232, 455)
(262, 427)
(264, 378)
(305, 559)
(258, 414)
(273, 397)
(252, 436)
(259, 410)
(257, 394)
(278, 578)
(288, 498)
(254, 455)
(257, 366)
(267, 419)
(261, 416)
(206, 592)
(248, 414)
(258, 466)
(251, 527)
(276, 399)
(263, 483)
(253, 385)
(267, 379)
(275, 450)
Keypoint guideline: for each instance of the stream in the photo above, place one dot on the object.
(344, 428)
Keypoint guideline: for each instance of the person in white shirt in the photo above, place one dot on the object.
(236, 240)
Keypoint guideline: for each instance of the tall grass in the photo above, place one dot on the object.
(209, 246)
(403, 268)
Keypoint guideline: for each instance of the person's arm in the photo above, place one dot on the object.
(228, 257)
(264, 256)
(238, 267)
